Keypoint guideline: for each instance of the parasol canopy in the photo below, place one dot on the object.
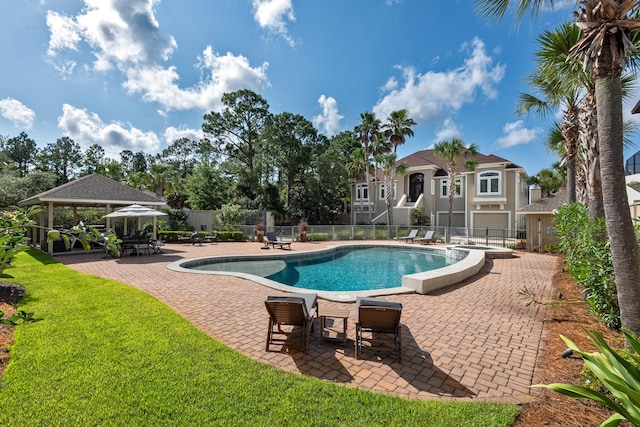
(135, 211)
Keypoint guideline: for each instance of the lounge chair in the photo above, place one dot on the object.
(379, 319)
(196, 239)
(410, 238)
(292, 310)
(429, 237)
(273, 241)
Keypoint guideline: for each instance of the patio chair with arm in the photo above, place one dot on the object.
(296, 309)
(379, 319)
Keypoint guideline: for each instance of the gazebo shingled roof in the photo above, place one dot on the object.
(92, 190)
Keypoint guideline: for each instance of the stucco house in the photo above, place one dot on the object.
(486, 197)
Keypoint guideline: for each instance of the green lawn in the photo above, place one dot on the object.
(108, 354)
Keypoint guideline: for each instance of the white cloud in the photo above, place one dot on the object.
(88, 128)
(125, 35)
(516, 134)
(329, 119)
(224, 73)
(273, 14)
(173, 133)
(64, 33)
(17, 113)
(433, 96)
(447, 131)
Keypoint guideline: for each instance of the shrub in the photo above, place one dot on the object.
(230, 235)
(178, 220)
(520, 244)
(588, 254)
(619, 375)
(64, 218)
(420, 217)
(229, 215)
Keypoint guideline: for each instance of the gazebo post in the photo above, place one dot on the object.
(155, 227)
(41, 239)
(108, 223)
(50, 227)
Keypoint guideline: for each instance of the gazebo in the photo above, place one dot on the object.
(93, 190)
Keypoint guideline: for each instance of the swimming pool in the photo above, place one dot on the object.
(340, 273)
(346, 269)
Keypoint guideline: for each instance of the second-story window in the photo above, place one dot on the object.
(362, 192)
(490, 182)
(444, 188)
(382, 191)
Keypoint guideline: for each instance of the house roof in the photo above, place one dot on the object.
(92, 190)
(548, 204)
(428, 157)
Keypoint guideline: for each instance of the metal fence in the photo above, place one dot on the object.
(454, 235)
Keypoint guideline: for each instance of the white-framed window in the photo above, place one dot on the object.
(444, 188)
(362, 192)
(490, 182)
(382, 191)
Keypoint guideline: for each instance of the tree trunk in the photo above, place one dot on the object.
(571, 181)
(591, 163)
(366, 173)
(570, 131)
(451, 195)
(388, 200)
(624, 247)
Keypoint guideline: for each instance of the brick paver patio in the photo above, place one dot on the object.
(473, 340)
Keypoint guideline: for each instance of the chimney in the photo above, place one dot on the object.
(535, 194)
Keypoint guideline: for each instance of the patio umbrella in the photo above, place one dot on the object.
(137, 211)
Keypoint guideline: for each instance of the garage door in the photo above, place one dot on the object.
(498, 221)
(458, 219)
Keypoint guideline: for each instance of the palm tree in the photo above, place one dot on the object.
(452, 151)
(559, 85)
(605, 47)
(389, 168)
(399, 125)
(549, 180)
(357, 168)
(368, 131)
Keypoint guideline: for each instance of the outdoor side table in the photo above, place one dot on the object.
(329, 330)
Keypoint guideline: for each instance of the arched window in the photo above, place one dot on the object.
(490, 182)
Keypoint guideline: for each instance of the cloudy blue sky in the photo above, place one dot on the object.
(138, 74)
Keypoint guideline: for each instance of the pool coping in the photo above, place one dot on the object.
(423, 282)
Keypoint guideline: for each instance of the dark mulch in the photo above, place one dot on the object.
(551, 408)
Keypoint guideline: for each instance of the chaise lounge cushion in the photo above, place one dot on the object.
(310, 300)
(377, 302)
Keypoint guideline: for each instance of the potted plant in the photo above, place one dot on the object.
(259, 230)
(303, 226)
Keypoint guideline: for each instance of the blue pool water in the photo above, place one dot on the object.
(342, 269)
